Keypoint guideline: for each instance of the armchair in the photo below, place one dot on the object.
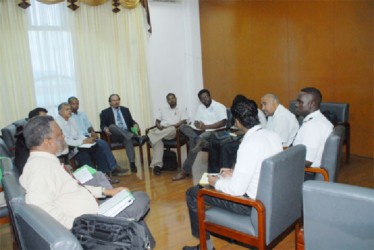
(179, 140)
(9, 134)
(331, 156)
(276, 211)
(117, 145)
(338, 216)
(32, 227)
(341, 114)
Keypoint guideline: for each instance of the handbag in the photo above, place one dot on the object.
(101, 232)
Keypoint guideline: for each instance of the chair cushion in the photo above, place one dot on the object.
(231, 220)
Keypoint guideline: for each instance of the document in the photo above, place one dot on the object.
(87, 145)
(204, 179)
(113, 206)
(82, 175)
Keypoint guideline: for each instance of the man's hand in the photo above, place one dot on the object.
(160, 127)
(107, 131)
(226, 172)
(212, 180)
(89, 140)
(113, 191)
(199, 125)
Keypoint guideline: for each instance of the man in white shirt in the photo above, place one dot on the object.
(49, 186)
(86, 129)
(280, 119)
(315, 128)
(167, 122)
(222, 151)
(257, 145)
(75, 140)
(210, 116)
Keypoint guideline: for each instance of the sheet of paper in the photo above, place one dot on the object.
(87, 145)
(82, 175)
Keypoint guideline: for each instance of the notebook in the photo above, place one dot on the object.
(204, 179)
(113, 206)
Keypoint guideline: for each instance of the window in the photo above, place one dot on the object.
(51, 54)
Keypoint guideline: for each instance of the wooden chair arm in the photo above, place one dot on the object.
(147, 130)
(242, 200)
(320, 170)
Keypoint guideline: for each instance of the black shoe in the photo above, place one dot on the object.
(143, 139)
(193, 247)
(118, 171)
(133, 167)
(157, 170)
(112, 181)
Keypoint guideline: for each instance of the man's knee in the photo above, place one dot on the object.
(191, 196)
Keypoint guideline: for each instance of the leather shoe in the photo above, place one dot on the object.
(133, 167)
(112, 181)
(193, 247)
(181, 175)
(157, 170)
(118, 171)
(143, 139)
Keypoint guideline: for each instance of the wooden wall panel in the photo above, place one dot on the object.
(255, 47)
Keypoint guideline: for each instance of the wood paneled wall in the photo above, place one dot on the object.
(256, 47)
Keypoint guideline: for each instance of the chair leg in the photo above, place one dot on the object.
(179, 157)
(148, 154)
(141, 155)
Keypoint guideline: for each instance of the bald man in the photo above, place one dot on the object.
(280, 119)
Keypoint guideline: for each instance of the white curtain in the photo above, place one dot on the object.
(16, 80)
(91, 53)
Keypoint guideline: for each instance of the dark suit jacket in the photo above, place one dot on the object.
(107, 117)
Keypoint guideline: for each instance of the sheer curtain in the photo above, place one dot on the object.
(90, 53)
(111, 57)
(16, 80)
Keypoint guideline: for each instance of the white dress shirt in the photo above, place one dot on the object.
(82, 121)
(257, 145)
(284, 123)
(313, 134)
(71, 131)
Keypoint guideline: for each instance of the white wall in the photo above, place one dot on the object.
(175, 53)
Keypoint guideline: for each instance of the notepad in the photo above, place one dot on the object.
(113, 206)
(204, 179)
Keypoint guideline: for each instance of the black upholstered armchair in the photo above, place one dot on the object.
(276, 211)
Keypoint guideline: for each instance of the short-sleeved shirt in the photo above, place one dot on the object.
(313, 134)
(71, 131)
(209, 115)
(171, 116)
(284, 123)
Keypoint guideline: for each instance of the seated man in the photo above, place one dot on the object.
(257, 145)
(222, 151)
(210, 116)
(21, 151)
(54, 190)
(116, 121)
(75, 139)
(167, 122)
(280, 119)
(86, 129)
(315, 128)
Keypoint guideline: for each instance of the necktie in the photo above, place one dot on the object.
(119, 120)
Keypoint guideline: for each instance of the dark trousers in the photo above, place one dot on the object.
(191, 199)
(99, 154)
(222, 153)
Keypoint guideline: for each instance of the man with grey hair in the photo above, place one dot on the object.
(94, 153)
(280, 119)
(54, 190)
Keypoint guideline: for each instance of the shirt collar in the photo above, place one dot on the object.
(312, 115)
